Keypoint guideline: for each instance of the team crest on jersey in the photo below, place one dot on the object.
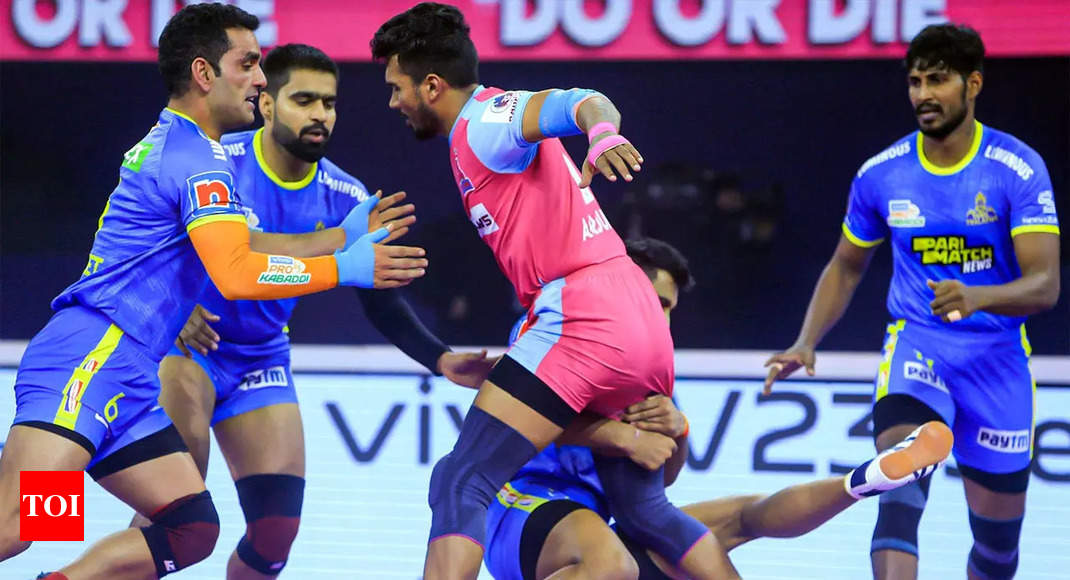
(902, 213)
(211, 190)
(501, 109)
(982, 213)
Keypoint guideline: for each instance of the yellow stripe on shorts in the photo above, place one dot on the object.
(1028, 348)
(71, 403)
(884, 371)
(509, 497)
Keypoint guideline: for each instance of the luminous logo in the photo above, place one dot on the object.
(981, 213)
(902, 213)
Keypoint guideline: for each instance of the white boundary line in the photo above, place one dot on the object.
(744, 364)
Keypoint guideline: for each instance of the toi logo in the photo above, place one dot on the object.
(51, 506)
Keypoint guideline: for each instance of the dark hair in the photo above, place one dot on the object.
(429, 38)
(652, 255)
(958, 47)
(197, 31)
(289, 57)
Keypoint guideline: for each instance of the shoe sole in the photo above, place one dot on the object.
(931, 446)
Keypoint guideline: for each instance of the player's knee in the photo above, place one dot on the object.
(10, 544)
(271, 503)
(995, 546)
(898, 515)
(182, 533)
(463, 483)
(611, 561)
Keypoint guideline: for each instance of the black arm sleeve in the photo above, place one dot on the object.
(391, 315)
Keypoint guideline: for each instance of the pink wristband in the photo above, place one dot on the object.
(599, 128)
(604, 145)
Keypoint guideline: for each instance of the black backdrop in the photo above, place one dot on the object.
(800, 129)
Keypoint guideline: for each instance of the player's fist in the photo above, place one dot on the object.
(369, 264)
(468, 369)
(953, 300)
(656, 413)
(649, 450)
(782, 365)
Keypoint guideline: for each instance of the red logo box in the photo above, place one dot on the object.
(51, 506)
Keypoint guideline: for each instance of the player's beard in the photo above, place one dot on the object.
(304, 150)
(423, 122)
(941, 131)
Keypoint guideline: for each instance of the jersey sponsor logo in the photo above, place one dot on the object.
(595, 223)
(133, 158)
(1004, 441)
(501, 108)
(341, 186)
(270, 377)
(892, 152)
(284, 270)
(70, 404)
(951, 250)
(916, 371)
(1046, 220)
(1047, 201)
(902, 213)
(1015, 163)
(211, 189)
(982, 213)
(482, 220)
(235, 149)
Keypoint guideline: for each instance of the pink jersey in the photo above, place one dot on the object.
(524, 198)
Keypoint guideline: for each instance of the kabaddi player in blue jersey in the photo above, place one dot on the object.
(971, 219)
(87, 387)
(236, 380)
(552, 518)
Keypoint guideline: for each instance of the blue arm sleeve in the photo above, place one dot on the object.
(557, 118)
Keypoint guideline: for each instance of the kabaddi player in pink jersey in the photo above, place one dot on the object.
(597, 338)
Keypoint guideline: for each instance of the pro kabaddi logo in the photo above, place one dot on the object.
(284, 270)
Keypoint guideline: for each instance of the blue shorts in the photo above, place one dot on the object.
(510, 510)
(247, 376)
(81, 372)
(979, 383)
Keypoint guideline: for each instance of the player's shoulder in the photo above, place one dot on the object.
(1009, 153)
(186, 149)
(335, 180)
(888, 158)
(495, 105)
(239, 144)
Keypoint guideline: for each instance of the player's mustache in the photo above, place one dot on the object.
(314, 127)
(927, 107)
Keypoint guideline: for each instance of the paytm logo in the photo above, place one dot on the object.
(917, 371)
(269, 377)
(1004, 441)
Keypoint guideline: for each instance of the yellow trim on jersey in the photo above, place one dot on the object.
(183, 115)
(71, 403)
(859, 241)
(1041, 229)
(225, 217)
(884, 371)
(509, 497)
(1028, 348)
(259, 153)
(962, 163)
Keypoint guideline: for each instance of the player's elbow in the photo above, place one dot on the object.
(1050, 295)
(228, 286)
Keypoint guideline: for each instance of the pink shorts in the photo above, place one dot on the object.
(599, 338)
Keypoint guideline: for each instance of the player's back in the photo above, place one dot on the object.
(951, 223)
(321, 199)
(143, 272)
(524, 198)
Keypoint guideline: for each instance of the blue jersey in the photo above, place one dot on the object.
(143, 272)
(951, 222)
(320, 200)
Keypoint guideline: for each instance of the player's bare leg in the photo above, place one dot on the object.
(269, 440)
(893, 564)
(188, 397)
(146, 487)
(581, 545)
(458, 557)
(30, 449)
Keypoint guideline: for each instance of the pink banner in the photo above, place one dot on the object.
(559, 29)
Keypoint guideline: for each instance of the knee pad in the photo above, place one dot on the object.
(271, 503)
(182, 533)
(995, 547)
(898, 517)
(487, 453)
(637, 501)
